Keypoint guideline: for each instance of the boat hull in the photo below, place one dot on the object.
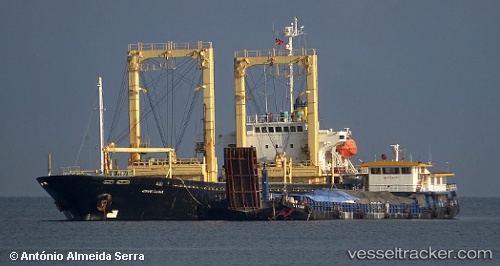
(98, 197)
(438, 213)
(281, 212)
(95, 197)
(425, 205)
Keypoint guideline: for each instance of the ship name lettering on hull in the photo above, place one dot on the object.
(152, 191)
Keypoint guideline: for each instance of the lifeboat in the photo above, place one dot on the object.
(347, 149)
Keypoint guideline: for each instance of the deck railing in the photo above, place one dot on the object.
(268, 118)
(451, 187)
(273, 53)
(298, 163)
(169, 46)
(165, 162)
(393, 188)
(75, 170)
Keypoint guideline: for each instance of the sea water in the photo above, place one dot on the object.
(38, 233)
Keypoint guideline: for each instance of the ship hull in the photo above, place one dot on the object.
(437, 213)
(284, 212)
(95, 197)
(425, 205)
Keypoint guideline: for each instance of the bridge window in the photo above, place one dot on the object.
(299, 128)
(264, 129)
(271, 129)
(375, 171)
(286, 129)
(292, 129)
(390, 170)
(405, 170)
(257, 130)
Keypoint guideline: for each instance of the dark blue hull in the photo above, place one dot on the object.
(94, 197)
(97, 197)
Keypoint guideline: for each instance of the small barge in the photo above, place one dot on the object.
(389, 189)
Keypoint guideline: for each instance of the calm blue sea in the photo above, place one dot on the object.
(31, 225)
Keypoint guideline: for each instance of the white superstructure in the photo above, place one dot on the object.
(288, 141)
(402, 176)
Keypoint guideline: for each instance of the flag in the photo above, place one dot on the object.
(279, 42)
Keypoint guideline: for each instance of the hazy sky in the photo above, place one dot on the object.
(424, 74)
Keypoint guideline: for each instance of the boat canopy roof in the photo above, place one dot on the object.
(329, 195)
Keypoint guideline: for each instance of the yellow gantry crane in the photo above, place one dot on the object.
(137, 54)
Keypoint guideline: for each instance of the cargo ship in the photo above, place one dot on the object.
(157, 184)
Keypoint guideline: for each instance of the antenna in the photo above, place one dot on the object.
(291, 32)
(101, 123)
(430, 155)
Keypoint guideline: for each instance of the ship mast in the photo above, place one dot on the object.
(101, 122)
(291, 32)
(396, 151)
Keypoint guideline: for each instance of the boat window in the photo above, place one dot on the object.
(286, 129)
(292, 129)
(264, 129)
(299, 128)
(390, 170)
(257, 130)
(405, 170)
(267, 146)
(279, 129)
(291, 146)
(271, 129)
(231, 145)
(375, 171)
(276, 146)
